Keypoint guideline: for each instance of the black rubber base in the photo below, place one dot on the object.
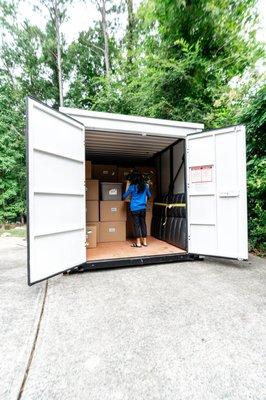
(133, 262)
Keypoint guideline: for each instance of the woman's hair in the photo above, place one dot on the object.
(136, 178)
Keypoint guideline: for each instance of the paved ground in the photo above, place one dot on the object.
(177, 331)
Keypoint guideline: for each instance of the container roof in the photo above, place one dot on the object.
(110, 137)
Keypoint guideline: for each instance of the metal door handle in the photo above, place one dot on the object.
(232, 193)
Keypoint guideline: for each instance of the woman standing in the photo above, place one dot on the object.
(139, 192)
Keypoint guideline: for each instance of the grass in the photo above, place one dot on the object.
(14, 232)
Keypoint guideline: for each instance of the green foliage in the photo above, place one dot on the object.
(12, 155)
(255, 119)
(176, 60)
(189, 51)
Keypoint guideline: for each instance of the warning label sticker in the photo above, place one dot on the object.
(201, 174)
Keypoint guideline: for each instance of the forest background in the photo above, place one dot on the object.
(188, 60)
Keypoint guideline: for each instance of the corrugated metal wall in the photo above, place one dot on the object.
(178, 151)
(168, 163)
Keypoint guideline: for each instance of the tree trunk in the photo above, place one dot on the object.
(102, 9)
(58, 56)
(130, 30)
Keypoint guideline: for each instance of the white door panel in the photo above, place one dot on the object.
(217, 203)
(67, 178)
(56, 192)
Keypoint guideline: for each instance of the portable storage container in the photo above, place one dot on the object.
(200, 206)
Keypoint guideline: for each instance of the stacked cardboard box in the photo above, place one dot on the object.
(104, 173)
(88, 170)
(110, 219)
(112, 213)
(123, 173)
(91, 236)
(92, 205)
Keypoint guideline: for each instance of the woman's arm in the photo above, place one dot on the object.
(148, 192)
(127, 193)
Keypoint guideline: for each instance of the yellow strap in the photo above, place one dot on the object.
(170, 205)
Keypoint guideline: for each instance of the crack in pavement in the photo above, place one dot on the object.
(22, 386)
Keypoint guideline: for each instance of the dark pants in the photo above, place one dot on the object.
(140, 223)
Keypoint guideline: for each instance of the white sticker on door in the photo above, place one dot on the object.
(113, 192)
(201, 174)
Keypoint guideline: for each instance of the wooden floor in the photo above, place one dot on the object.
(124, 250)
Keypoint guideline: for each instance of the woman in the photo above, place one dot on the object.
(139, 191)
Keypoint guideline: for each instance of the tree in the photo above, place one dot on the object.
(255, 119)
(130, 33)
(57, 11)
(101, 6)
(188, 52)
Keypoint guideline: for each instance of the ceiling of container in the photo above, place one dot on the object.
(111, 146)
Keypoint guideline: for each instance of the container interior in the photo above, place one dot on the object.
(161, 154)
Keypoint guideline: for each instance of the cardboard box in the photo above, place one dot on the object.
(111, 191)
(123, 172)
(92, 210)
(87, 169)
(113, 211)
(104, 173)
(97, 225)
(92, 189)
(91, 236)
(112, 232)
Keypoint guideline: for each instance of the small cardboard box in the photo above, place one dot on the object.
(92, 189)
(87, 169)
(113, 211)
(104, 173)
(122, 173)
(111, 191)
(97, 225)
(92, 210)
(91, 236)
(112, 232)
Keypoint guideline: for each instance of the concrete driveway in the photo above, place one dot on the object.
(164, 332)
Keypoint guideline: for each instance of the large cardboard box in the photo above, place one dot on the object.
(111, 191)
(113, 211)
(97, 225)
(91, 236)
(87, 169)
(104, 173)
(92, 189)
(92, 210)
(123, 172)
(112, 231)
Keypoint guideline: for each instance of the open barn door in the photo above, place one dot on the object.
(56, 192)
(216, 194)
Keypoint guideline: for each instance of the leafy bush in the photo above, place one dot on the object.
(255, 120)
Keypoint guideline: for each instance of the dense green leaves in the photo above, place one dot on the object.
(178, 60)
(255, 119)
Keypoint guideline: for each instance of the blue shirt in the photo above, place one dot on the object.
(138, 200)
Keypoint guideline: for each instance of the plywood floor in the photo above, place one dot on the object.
(124, 250)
